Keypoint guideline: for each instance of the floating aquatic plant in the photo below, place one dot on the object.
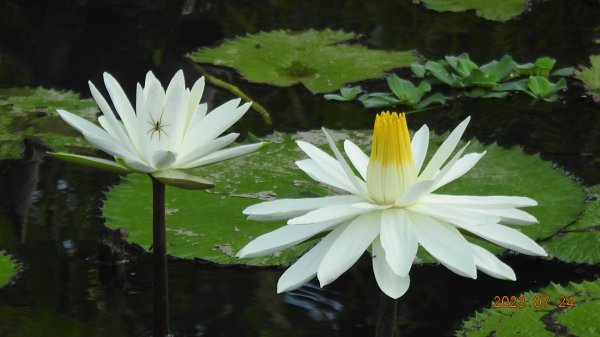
(543, 67)
(590, 76)
(403, 92)
(322, 61)
(537, 87)
(495, 79)
(346, 94)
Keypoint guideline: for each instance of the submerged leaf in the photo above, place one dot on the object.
(8, 269)
(31, 114)
(490, 10)
(317, 59)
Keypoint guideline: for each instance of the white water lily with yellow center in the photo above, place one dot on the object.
(168, 129)
(391, 207)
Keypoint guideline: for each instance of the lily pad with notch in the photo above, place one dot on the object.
(323, 61)
(579, 242)
(210, 225)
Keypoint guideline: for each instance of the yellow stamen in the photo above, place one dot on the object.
(391, 166)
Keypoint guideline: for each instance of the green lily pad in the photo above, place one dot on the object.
(317, 59)
(8, 269)
(489, 10)
(591, 77)
(580, 241)
(210, 225)
(29, 113)
(549, 312)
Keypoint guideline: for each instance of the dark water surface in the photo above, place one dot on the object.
(50, 218)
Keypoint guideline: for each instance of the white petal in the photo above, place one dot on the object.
(163, 159)
(399, 241)
(490, 264)
(189, 155)
(137, 165)
(360, 186)
(462, 166)
(469, 201)
(175, 110)
(108, 145)
(216, 122)
(225, 154)
(121, 104)
(318, 173)
(509, 215)
(198, 115)
(389, 282)
(328, 213)
(118, 132)
(328, 164)
(117, 129)
(444, 243)
(84, 126)
(282, 238)
(441, 174)
(419, 145)
(358, 158)
(306, 267)
(508, 238)
(444, 151)
(289, 208)
(453, 215)
(414, 192)
(195, 95)
(348, 247)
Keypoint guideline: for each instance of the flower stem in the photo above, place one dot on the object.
(159, 251)
(386, 316)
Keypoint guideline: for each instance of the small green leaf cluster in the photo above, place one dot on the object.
(495, 79)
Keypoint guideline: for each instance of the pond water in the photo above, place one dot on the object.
(51, 220)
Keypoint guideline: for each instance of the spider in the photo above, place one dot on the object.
(157, 126)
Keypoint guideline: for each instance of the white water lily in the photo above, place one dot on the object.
(167, 130)
(391, 207)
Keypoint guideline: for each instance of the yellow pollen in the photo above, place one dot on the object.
(391, 167)
(391, 140)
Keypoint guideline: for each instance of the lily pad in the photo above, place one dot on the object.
(591, 77)
(210, 225)
(489, 10)
(580, 241)
(556, 310)
(8, 269)
(320, 60)
(29, 113)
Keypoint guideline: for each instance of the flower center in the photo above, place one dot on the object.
(391, 166)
